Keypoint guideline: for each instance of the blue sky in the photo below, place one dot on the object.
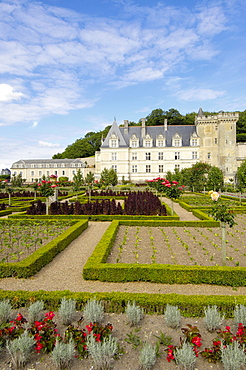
(68, 67)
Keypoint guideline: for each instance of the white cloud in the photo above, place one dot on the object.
(199, 94)
(8, 93)
(56, 55)
(35, 124)
(47, 144)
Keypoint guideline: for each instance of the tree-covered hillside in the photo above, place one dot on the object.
(87, 146)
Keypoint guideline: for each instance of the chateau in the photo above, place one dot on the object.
(138, 153)
(143, 152)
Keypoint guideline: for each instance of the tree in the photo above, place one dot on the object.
(155, 118)
(78, 181)
(241, 175)
(215, 178)
(109, 177)
(195, 177)
(17, 181)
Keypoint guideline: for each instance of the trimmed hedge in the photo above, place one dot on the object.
(96, 217)
(96, 267)
(45, 254)
(5, 213)
(190, 306)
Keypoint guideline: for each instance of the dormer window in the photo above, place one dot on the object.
(147, 142)
(177, 140)
(160, 141)
(194, 142)
(134, 141)
(114, 142)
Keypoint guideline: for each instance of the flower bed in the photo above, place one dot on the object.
(153, 329)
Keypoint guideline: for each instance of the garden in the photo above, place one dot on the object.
(64, 333)
(88, 337)
(179, 245)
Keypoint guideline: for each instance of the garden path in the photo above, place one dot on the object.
(65, 271)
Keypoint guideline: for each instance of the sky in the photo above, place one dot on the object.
(68, 67)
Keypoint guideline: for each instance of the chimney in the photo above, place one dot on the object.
(165, 124)
(126, 126)
(143, 127)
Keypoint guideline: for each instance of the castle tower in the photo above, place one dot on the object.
(217, 135)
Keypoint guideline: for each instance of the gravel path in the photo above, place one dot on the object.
(65, 271)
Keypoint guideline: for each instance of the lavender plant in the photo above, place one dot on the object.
(67, 310)
(233, 357)
(102, 352)
(134, 313)
(35, 311)
(172, 316)
(185, 356)
(93, 311)
(63, 354)
(213, 318)
(240, 314)
(19, 349)
(5, 311)
(147, 357)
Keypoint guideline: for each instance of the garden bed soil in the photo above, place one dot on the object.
(149, 326)
(180, 245)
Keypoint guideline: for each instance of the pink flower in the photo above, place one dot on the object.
(196, 341)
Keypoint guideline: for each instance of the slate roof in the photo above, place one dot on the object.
(185, 131)
(66, 161)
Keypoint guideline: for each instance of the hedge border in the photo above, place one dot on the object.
(45, 254)
(190, 306)
(96, 267)
(96, 217)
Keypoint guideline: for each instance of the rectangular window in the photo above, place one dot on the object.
(194, 155)
(63, 173)
(134, 156)
(177, 155)
(160, 143)
(134, 144)
(114, 166)
(209, 155)
(113, 143)
(148, 168)
(177, 167)
(161, 168)
(134, 168)
(194, 142)
(147, 143)
(148, 156)
(39, 173)
(216, 140)
(55, 172)
(32, 173)
(177, 142)
(47, 173)
(160, 156)
(114, 157)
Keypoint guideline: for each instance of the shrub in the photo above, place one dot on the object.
(67, 310)
(20, 348)
(147, 356)
(63, 354)
(233, 357)
(34, 311)
(213, 318)
(240, 314)
(172, 316)
(102, 352)
(93, 311)
(134, 313)
(185, 356)
(5, 311)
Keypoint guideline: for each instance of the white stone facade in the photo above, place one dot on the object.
(139, 153)
(37, 168)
